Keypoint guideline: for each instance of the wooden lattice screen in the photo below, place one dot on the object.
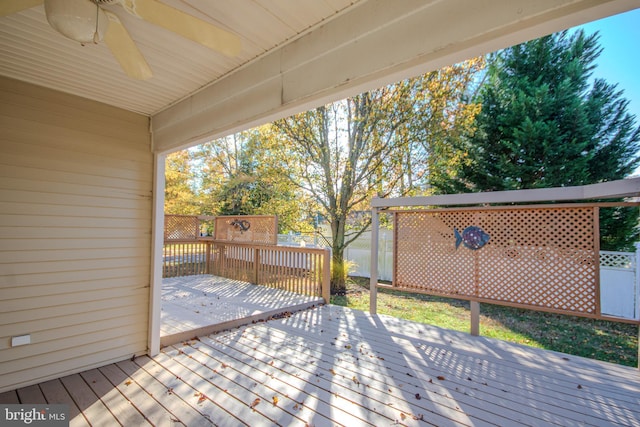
(537, 257)
(181, 227)
(261, 229)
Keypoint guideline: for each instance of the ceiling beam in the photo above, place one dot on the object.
(377, 42)
(604, 190)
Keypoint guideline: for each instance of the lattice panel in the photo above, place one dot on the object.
(626, 260)
(538, 257)
(181, 227)
(262, 229)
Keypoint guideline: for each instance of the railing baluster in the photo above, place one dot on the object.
(295, 269)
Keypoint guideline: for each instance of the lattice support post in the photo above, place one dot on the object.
(636, 288)
(373, 281)
(475, 318)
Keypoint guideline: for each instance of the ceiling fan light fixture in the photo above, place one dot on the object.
(80, 20)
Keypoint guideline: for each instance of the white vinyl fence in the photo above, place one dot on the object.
(619, 284)
(619, 273)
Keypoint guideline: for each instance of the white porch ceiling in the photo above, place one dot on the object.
(296, 54)
(32, 51)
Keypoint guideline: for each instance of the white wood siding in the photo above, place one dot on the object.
(75, 229)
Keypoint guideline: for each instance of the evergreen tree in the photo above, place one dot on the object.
(543, 125)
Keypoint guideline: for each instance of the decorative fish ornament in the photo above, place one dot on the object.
(472, 237)
(241, 225)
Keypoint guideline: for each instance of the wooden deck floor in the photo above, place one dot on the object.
(203, 304)
(334, 366)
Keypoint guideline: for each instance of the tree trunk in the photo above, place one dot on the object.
(338, 273)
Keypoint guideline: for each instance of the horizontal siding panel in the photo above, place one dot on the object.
(32, 94)
(85, 356)
(72, 320)
(120, 200)
(50, 340)
(91, 121)
(68, 161)
(72, 276)
(76, 181)
(50, 221)
(52, 289)
(137, 296)
(66, 181)
(14, 257)
(45, 210)
(87, 295)
(37, 244)
(76, 265)
(71, 233)
(38, 135)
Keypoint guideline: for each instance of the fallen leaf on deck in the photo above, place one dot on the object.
(332, 371)
(419, 417)
(127, 382)
(579, 386)
(255, 403)
(355, 380)
(418, 396)
(202, 398)
(441, 378)
(403, 416)
(275, 400)
(347, 346)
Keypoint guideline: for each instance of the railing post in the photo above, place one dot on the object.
(326, 276)
(207, 260)
(373, 281)
(256, 265)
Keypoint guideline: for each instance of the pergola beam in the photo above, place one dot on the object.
(605, 190)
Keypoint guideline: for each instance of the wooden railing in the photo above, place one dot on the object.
(302, 270)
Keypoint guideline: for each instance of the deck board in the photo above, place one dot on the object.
(55, 392)
(203, 304)
(335, 366)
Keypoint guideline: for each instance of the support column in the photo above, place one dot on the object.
(475, 318)
(157, 242)
(373, 271)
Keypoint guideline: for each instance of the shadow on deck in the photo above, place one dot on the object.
(331, 366)
(204, 304)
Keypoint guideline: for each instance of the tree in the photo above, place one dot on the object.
(180, 193)
(239, 175)
(543, 125)
(344, 153)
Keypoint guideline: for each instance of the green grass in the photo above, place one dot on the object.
(596, 339)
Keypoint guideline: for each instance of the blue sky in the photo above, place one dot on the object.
(620, 60)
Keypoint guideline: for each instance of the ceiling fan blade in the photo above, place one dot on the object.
(125, 50)
(186, 25)
(7, 7)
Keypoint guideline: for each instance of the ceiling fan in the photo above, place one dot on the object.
(86, 21)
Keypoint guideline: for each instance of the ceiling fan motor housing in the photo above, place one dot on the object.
(80, 20)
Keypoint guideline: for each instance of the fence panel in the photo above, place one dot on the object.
(618, 286)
